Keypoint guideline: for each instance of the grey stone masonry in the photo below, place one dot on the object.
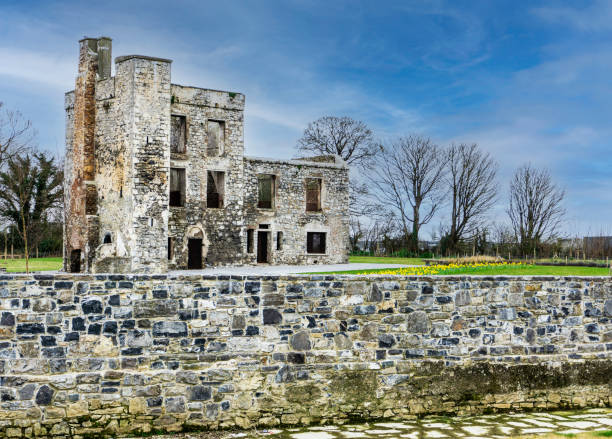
(87, 355)
(156, 178)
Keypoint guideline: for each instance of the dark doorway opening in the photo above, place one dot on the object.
(194, 259)
(75, 261)
(262, 247)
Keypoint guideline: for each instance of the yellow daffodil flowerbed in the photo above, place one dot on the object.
(431, 270)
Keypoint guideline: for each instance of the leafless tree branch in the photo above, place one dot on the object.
(16, 134)
(350, 139)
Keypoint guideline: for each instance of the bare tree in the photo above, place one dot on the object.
(535, 208)
(408, 177)
(16, 134)
(349, 138)
(471, 182)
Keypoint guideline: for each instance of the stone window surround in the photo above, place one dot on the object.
(275, 182)
(185, 170)
(221, 148)
(321, 195)
(316, 229)
(186, 116)
(205, 193)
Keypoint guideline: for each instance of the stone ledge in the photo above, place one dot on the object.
(120, 59)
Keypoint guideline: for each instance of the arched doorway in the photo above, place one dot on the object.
(195, 248)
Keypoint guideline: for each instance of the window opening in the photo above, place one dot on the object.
(216, 138)
(315, 242)
(178, 134)
(177, 187)
(215, 189)
(266, 185)
(170, 248)
(250, 240)
(313, 195)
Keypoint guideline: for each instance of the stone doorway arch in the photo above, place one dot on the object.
(197, 247)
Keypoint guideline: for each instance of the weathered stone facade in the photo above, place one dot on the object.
(135, 202)
(82, 355)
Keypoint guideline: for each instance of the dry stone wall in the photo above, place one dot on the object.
(84, 355)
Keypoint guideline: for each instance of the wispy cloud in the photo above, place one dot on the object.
(596, 16)
(39, 67)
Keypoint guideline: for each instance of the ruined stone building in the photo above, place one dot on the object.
(156, 178)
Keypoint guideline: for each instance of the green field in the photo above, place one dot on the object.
(385, 260)
(36, 264)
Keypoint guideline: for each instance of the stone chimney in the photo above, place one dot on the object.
(81, 238)
(105, 57)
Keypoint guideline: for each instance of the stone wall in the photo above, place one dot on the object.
(117, 354)
(221, 230)
(289, 216)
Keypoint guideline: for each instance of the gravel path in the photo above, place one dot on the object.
(278, 270)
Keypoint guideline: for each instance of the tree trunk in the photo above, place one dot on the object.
(414, 238)
(25, 242)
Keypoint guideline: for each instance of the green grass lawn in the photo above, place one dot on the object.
(385, 260)
(36, 264)
(520, 270)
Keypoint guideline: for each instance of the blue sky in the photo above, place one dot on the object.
(527, 81)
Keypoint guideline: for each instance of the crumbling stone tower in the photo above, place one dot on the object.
(117, 162)
(156, 178)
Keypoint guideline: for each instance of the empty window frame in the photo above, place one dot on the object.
(266, 188)
(313, 194)
(177, 187)
(170, 248)
(315, 242)
(178, 134)
(107, 238)
(279, 240)
(250, 243)
(216, 138)
(215, 189)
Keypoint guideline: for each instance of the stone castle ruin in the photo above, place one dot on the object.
(156, 178)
